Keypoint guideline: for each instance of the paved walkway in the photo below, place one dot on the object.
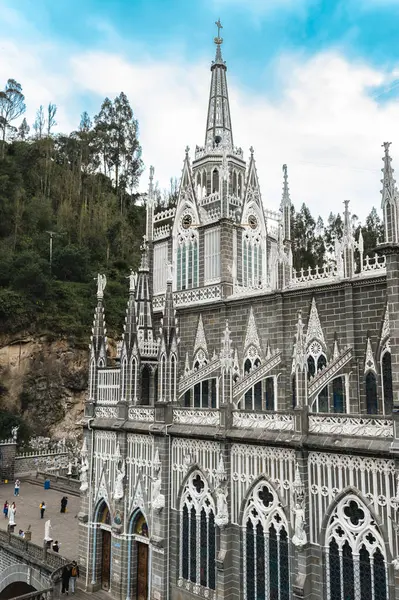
(64, 526)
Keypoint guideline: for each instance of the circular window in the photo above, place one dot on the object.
(252, 221)
(186, 221)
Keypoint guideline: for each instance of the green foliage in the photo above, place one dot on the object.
(81, 187)
(8, 420)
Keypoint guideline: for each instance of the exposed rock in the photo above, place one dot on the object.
(45, 381)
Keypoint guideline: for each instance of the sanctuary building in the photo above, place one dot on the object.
(243, 445)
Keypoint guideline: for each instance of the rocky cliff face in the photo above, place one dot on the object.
(45, 381)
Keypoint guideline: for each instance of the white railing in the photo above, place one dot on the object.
(141, 413)
(196, 416)
(162, 232)
(201, 151)
(374, 263)
(214, 197)
(106, 412)
(148, 347)
(234, 200)
(164, 214)
(246, 290)
(327, 273)
(373, 426)
(108, 386)
(256, 420)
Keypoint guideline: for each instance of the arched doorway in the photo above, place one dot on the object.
(138, 557)
(104, 518)
(17, 588)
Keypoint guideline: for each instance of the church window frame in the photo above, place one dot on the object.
(187, 263)
(252, 399)
(198, 536)
(215, 181)
(173, 378)
(162, 378)
(134, 372)
(212, 256)
(262, 577)
(371, 390)
(92, 378)
(316, 358)
(160, 271)
(386, 379)
(352, 543)
(124, 378)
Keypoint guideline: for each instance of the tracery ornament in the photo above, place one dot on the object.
(300, 537)
(200, 351)
(355, 559)
(197, 561)
(314, 330)
(265, 545)
(369, 362)
(221, 491)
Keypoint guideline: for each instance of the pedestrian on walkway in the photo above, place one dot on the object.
(17, 485)
(64, 502)
(13, 507)
(56, 547)
(42, 509)
(5, 509)
(74, 575)
(66, 574)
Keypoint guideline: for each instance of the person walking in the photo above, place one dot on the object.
(17, 485)
(64, 502)
(65, 576)
(56, 547)
(42, 509)
(74, 575)
(5, 509)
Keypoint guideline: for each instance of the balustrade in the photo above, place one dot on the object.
(273, 421)
(195, 416)
(351, 425)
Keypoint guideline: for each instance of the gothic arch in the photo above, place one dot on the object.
(356, 556)
(265, 544)
(100, 505)
(194, 467)
(267, 479)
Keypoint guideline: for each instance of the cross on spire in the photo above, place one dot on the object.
(219, 26)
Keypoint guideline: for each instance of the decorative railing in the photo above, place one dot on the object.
(234, 200)
(214, 197)
(273, 215)
(272, 421)
(195, 416)
(245, 290)
(374, 263)
(351, 425)
(108, 386)
(192, 296)
(169, 213)
(322, 377)
(162, 231)
(194, 377)
(46, 594)
(106, 412)
(327, 273)
(141, 413)
(257, 374)
(201, 151)
(148, 348)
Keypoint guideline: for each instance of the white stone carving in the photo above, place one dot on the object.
(200, 340)
(108, 386)
(139, 461)
(256, 374)
(269, 421)
(191, 377)
(385, 333)
(141, 413)
(120, 476)
(47, 531)
(195, 416)
(14, 433)
(84, 469)
(226, 352)
(101, 283)
(322, 377)
(351, 425)
(251, 336)
(300, 537)
(314, 330)
(132, 281)
(194, 296)
(11, 515)
(157, 498)
(369, 363)
(299, 353)
(302, 278)
(221, 491)
(106, 412)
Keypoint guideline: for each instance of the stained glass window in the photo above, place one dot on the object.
(387, 382)
(252, 260)
(355, 562)
(197, 534)
(265, 547)
(338, 395)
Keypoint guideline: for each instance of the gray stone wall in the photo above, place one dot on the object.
(7, 460)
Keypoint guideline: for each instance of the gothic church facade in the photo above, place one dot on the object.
(243, 444)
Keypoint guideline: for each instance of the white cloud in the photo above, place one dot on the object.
(324, 125)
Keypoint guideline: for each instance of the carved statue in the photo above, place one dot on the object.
(101, 283)
(120, 475)
(170, 271)
(222, 511)
(14, 432)
(84, 485)
(11, 515)
(47, 531)
(395, 563)
(299, 538)
(187, 461)
(132, 281)
(157, 498)
(69, 468)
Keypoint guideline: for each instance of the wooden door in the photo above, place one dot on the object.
(106, 560)
(142, 571)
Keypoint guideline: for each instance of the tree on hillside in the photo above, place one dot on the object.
(307, 237)
(39, 123)
(51, 122)
(12, 106)
(23, 130)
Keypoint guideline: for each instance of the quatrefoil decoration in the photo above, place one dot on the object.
(354, 513)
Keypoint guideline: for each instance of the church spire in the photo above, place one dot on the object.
(286, 206)
(218, 125)
(389, 198)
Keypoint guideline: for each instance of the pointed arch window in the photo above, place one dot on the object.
(125, 379)
(145, 385)
(187, 262)
(92, 384)
(390, 222)
(134, 378)
(252, 260)
(197, 556)
(317, 360)
(163, 378)
(215, 181)
(173, 377)
(355, 561)
(386, 371)
(253, 397)
(338, 392)
(265, 546)
(371, 393)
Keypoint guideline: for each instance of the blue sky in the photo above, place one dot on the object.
(312, 82)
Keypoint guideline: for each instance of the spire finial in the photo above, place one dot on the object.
(218, 40)
(252, 151)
